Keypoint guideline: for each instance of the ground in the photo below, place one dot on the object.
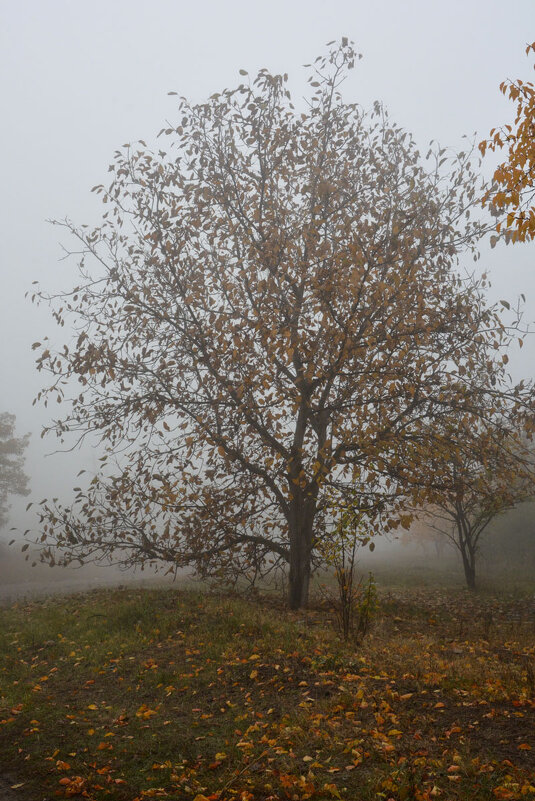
(133, 694)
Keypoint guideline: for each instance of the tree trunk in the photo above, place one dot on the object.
(469, 562)
(469, 570)
(467, 546)
(302, 519)
(299, 578)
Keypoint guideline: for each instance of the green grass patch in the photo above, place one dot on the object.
(134, 694)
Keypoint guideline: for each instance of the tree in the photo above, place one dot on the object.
(490, 471)
(270, 308)
(13, 480)
(514, 181)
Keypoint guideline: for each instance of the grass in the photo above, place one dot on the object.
(133, 694)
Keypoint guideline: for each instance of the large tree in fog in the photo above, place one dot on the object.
(270, 309)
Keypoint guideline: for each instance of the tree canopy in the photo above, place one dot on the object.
(271, 312)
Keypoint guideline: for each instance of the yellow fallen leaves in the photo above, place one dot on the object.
(332, 789)
(104, 746)
(144, 712)
(73, 785)
(201, 797)
(504, 793)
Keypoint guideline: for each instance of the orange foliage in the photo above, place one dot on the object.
(514, 190)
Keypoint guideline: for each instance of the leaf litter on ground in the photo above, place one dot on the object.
(134, 694)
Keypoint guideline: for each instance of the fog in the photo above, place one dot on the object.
(79, 80)
(19, 582)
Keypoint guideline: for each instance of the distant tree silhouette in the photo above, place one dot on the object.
(13, 480)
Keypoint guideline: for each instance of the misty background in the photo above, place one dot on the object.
(78, 80)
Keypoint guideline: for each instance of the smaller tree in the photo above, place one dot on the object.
(13, 480)
(513, 191)
(489, 472)
(353, 600)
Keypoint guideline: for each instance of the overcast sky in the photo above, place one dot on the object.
(79, 79)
